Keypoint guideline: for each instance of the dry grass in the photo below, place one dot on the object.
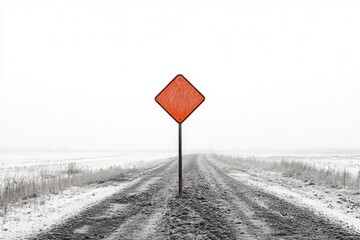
(72, 169)
(307, 172)
(14, 190)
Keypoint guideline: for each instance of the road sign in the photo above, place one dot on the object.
(179, 99)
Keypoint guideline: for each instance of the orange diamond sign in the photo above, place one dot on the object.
(179, 98)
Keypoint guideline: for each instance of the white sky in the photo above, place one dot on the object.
(276, 74)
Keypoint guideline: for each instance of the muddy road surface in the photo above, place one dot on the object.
(213, 206)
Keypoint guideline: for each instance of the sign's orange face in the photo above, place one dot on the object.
(179, 98)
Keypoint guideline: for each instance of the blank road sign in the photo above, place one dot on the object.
(179, 98)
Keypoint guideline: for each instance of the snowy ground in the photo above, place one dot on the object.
(220, 201)
(32, 216)
(340, 205)
(28, 219)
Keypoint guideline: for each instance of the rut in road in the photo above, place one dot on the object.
(213, 206)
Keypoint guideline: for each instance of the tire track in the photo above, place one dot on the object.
(213, 206)
(199, 212)
(240, 213)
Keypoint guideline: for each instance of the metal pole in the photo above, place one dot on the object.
(180, 162)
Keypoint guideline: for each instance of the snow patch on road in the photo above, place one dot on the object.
(113, 209)
(301, 197)
(147, 184)
(83, 230)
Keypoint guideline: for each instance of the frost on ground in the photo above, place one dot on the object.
(37, 213)
(221, 200)
(29, 219)
(339, 204)
(214, 205)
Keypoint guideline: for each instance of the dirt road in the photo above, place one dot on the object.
(213, 206)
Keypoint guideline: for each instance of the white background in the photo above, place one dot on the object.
(83, 74)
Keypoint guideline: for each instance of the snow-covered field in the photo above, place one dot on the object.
(340, 162)
(32, 165)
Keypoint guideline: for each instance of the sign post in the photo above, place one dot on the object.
(179, 99)
(180, 162)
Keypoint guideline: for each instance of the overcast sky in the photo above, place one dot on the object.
(276, 74)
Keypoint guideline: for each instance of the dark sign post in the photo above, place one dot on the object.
(179, 99)
(180, 161)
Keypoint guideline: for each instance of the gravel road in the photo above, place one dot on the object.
(213, 206)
